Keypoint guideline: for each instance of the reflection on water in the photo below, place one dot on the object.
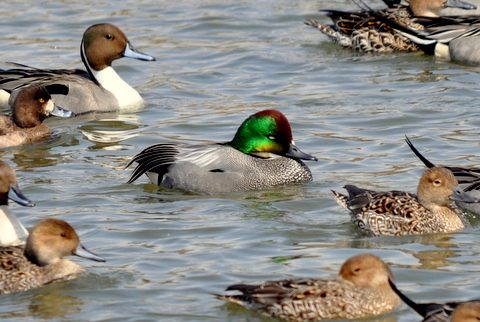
(39, 154)
(54, 304)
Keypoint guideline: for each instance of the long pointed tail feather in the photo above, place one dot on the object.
(418, 154)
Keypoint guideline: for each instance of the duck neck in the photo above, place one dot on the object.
(61, 270)
(422, 9)
(12, 232)
(109, 79)
(449, 215)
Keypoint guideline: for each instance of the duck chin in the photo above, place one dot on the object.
(265, 155)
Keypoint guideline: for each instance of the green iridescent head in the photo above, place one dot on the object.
(267, 131)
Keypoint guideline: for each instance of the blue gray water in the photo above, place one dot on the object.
(217, 63)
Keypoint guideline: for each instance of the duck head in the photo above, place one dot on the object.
(267, 132)
(438, 186)
(431, 8)
(367, 270)
(52, 239)
(33, 104)
(103, 43)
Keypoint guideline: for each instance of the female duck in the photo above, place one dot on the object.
(31, 105)
(468, 311)
(397, 213)
(40, 262)
(362, 289)
(12, 231)
(99, 88)
(468, 178)
(364, 31)
(261, 155)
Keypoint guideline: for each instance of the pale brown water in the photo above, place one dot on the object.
(217, 63)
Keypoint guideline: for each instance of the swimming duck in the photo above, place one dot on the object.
(31, 106)
(261, 155)
(396, 213)
(364, 31)
(468, 179)
(41, 262)
(468, 311)
(361, 289)
(99, 88)
(12, 232)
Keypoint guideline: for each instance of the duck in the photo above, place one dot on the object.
(399, 213)
(261, 155)
(98, 88)
(31, 106)
(465, 311)
(468, 179)
(451, 38)
(362, 289)
(41, 261)
(12, 232)
(367, 31)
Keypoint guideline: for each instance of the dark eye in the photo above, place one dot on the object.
(437, 182)
(63, 235)
(109, 36)
(356, 270)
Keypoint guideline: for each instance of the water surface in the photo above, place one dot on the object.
(218, 63)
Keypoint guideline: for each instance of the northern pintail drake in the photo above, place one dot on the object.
(12, 232)
(468, 311)
(396, 213)
(31, 106)
(261, 155)
(453, 38)
(362, 289)
(363, 31)
(40, 262)
(99, 88)
(468, 180)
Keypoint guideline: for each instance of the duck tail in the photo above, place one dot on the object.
(418, 154)
(424, 309)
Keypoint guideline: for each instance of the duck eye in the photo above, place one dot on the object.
(437, 182)
(41, 100)
(356, 270)
(63, 235)
(271, 137)
(109, 36)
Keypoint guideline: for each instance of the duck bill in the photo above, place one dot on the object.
(16, 195)
(81, 251)
(459, 4)
(61, 112)
(131, 52)
(296, 153)
(462, 196)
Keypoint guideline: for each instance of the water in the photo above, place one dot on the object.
(218, 63)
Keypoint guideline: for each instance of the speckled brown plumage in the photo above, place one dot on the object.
(400, 213)
(361, 290)
(364, 31)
